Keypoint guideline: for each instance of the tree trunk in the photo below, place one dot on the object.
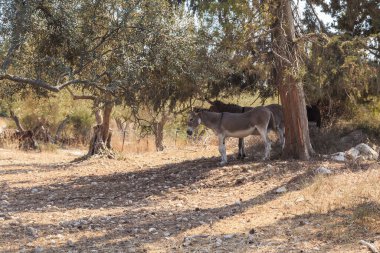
(61, 127)
(158, 131)
(100, 143)
(25, 138)
(297, 140)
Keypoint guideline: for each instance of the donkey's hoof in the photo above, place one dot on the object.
(241, 157)
(222, 163)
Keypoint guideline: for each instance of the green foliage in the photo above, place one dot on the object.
(340, 70)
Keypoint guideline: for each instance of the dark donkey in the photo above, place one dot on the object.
(314, 114)
(218, 106)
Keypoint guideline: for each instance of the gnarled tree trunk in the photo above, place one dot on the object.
(100, 143)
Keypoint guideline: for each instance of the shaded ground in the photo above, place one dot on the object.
(181, 201)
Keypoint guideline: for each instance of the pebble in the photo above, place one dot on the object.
(218, 242)
(322, 170)
(38, 249)
(281, 189)
(228, 236)
(152, 230)
(32, 231)
(34, 190)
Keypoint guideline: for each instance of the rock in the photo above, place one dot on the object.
(352, 138)
(322, 170)
(34, 190)
(352, 154)
(367, 152)
(70, 243)
(166, 234)
(300, 199)
(218, 242)
(340, 157)
(4, 197)
(38, 249)
(282, 189)
(5, 202)
(186, 241)
(152, 230)
(228, 236)
(32, 231)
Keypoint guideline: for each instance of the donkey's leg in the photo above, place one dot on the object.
(281, 133)
(264, 136)
(222, 149)
(241, 153)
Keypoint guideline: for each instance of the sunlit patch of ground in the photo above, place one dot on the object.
(179, 200)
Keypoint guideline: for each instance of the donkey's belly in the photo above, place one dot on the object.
(240, 133)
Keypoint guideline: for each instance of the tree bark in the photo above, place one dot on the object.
(297, 140)
(60, 129)
(100, 143)
(158, 131)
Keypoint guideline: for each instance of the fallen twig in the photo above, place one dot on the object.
(371, 246)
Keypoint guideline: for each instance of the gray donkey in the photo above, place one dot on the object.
(238, 125)
(218, 106)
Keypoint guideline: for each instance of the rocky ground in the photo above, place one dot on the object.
(179, 200)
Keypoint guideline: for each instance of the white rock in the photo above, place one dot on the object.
(282, 189)
(352, 154)
(322, 170)
(218, 242)
(34, 190)
(340, 157)
(300, 199)
(228, 236)
(166, 234)
(152, 230)
(186, 241)
(367, 151)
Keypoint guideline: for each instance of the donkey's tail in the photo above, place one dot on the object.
(272, 123)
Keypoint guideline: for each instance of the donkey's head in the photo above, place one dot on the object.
(193, 121)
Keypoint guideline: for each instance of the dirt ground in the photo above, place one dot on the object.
(180, 200)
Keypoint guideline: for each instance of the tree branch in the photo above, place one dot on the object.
(42, 84)
(77, 97)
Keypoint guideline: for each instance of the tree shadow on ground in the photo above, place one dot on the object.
(131, 229)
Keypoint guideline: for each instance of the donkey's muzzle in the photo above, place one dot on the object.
(189, 132)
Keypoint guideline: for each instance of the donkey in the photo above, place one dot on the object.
(218, 106)
(314, 114)
(236, 125)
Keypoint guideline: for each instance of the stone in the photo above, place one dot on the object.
(367, 151)
(38, 249)
(32, 231)
(322, 170)
(218, 242)
(228, 236)
(340, 157)
(282, 189)
(352, 154)
(152, 230)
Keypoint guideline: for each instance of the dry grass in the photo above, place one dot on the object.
(193, 205)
